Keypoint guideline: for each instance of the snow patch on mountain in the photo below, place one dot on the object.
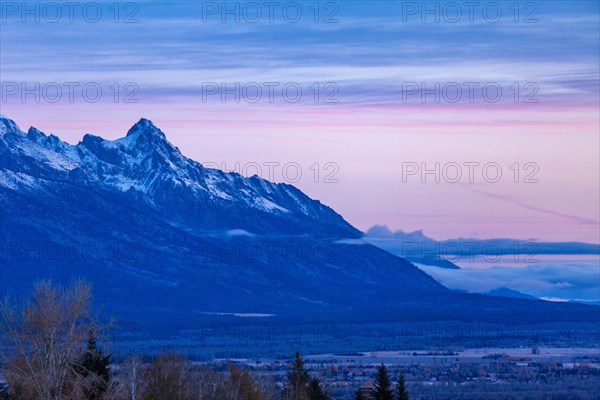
(267, 205)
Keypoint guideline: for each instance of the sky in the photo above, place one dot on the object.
(462, 119)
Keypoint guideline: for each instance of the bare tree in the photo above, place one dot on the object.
(48, 335)
(133, 377)
(241, 386)
(208, 384)
(169, 378)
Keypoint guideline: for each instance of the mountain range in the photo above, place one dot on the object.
(420, 248)
(163, 238)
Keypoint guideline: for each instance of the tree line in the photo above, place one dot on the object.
(382, 387)
(55, 356)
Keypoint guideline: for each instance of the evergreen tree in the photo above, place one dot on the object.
(401, 392)
(95, 366)
(315, 391)
(359, 396)
(382, 387)
(298, 379)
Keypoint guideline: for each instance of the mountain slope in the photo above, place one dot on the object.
(159, 235)
(144, 167)
(508, 292)
(135, 213)
(416, 244)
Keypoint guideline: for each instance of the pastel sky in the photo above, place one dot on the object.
(370, 123)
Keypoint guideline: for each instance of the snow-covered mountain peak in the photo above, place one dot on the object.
(146, 127)
(145, 138)
(145, 169)
(7, 125)
(35, 134)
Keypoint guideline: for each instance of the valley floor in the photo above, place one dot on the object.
(492, 373)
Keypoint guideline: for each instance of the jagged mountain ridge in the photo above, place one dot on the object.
(144, 166)
(196, 235)
(162, 237)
